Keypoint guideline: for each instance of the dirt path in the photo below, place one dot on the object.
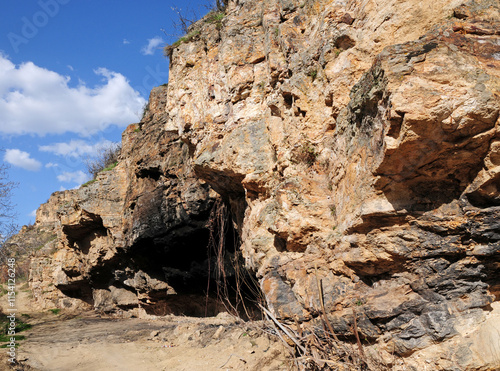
(81, 342)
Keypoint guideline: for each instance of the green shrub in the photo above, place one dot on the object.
(214, 17)
(333, 210)
(167, 51)
(110, 167)
(145, 111)
(6, 339)
(88, 183)
(22, 326)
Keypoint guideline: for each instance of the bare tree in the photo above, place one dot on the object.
(105, 158)
(185, 18)
(7, 214)
(188, 16)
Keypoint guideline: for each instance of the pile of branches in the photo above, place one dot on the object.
(318, 347)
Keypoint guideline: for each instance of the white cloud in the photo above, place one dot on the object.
(75, 148)
(78, 177)
(21, 159)
(152, 45)
(125, 42)
(50, 165)
(33, 213)
(34, 100)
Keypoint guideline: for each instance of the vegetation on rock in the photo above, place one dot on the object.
(105, 159)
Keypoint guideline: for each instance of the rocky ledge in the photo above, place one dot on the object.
(357, 147)
(122, 235)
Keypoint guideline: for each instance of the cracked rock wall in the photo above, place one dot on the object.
(358, 145)
(357, 142)
(123, 239)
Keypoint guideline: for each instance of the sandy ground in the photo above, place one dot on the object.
(86, 341)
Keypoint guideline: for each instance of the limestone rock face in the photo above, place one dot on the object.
(117, 233)
(358, 146)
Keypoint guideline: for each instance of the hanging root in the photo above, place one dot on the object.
(235, 287)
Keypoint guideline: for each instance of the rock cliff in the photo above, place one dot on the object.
(121, 235)
(357, 145)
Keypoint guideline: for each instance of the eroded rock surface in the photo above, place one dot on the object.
(125, 239)
(354, 140)
(358, 146)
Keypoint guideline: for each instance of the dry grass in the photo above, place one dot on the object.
(319, 348)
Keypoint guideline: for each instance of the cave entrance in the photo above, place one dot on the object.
(77, 290)
(203, 268)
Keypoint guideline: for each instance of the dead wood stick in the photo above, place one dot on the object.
(322, 302)
(355, 328)
(304, 351)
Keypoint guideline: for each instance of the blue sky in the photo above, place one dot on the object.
(73, 75)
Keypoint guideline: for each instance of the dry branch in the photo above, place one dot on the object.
(293, 338)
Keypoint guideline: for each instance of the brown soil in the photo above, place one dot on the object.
(87, 341)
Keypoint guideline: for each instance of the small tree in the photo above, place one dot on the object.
(105, 158)
(185, 18)
(7, 214)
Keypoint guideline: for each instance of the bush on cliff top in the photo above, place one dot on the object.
(105, 159)
(215, 16)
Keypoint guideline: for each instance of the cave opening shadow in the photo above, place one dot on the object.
(203, 267)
